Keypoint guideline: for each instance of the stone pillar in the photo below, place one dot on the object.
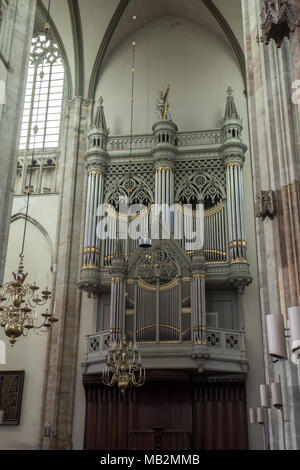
(15, 49)
(117, 303)
(275, 145)
(164, 167)
(198, 299)
(61, 368)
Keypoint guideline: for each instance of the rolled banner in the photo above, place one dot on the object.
(276, 393)
(294, 320)
(253, 416)
(276, 336)
(265, 396)
(260, 416)
(1, 416)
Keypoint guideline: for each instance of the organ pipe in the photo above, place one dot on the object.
(236, 212)
(199, 308)
(117, 308)
(215, 234)
(91, 256)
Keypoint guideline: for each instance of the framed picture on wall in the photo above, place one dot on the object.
(11, 393)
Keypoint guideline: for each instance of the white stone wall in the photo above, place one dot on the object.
(196, 61)
(15, 47)
(30, 353)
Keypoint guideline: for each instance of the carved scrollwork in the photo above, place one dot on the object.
(214, 339)
(265, 205)
(139, 191)
(44, 49)
(199, 187)
(165, 258)
(278, 21)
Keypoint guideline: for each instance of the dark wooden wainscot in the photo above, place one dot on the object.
(175, 410)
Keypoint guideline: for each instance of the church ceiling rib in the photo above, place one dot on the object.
(61, 46)
(116, 19)
(35, 223)
(104, 45)
(78, 46)
(229, 34)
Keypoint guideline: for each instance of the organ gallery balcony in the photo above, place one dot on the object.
(224, 351)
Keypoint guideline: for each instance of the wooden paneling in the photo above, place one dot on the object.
(173, 411)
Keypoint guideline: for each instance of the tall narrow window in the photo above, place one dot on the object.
(43, 99)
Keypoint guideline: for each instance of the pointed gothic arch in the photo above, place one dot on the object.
(209, 4)
(199, 186)
(45, 234)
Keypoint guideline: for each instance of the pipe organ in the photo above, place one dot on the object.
(159, 294)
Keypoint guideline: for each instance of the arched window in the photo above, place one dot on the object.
(44, 95)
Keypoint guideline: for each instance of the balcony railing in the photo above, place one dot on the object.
(222, 346)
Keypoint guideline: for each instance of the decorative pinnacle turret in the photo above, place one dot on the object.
(99, 119)
(231, 111)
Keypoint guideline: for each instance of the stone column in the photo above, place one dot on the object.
(15, 49)
(61, 367)
(198, 299)
(274, 132)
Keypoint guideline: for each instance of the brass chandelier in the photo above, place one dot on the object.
(124, 366)
(18, 300)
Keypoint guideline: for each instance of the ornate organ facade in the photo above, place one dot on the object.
(169, 297)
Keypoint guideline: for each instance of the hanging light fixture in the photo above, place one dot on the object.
(18, 300)
(124, 367)
(145, 241)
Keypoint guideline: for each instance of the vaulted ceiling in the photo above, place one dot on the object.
(88, 31)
